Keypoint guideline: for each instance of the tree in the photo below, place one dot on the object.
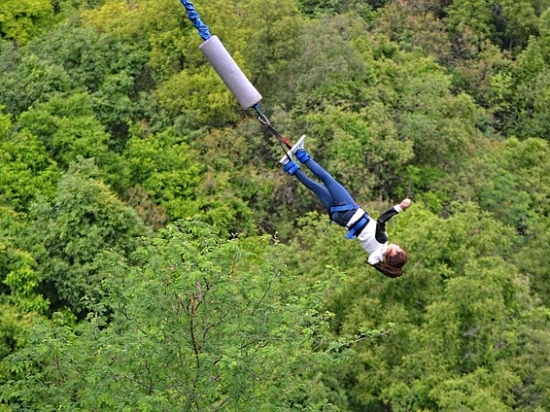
(25, 169)
(533, 258)
(157, 25)
(508, 24)
(527, 114)
(202, 324)
(20, 301)
(271, 29)
(461, 313)
(18, 277)
(327, 69)
(507, 179)
(165, 168)
(71, 233)
(28, 80)
(20, 20)
(70, 60)
(416, 25)
(199, 95)
(113, 71)
(205, 176)
(401, 134)
(69, 129)
(15, 326)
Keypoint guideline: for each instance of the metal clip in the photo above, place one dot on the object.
(262, 117)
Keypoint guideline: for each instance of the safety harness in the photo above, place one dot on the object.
(358, 221)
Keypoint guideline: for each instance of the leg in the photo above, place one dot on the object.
(338, 193)
(331, 193)
(321, 191)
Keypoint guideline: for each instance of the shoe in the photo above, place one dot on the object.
(299, 145)
(286, 158)
(299, 151)
(291, 168)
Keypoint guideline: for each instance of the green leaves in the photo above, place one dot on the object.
(20, 20)
(112, 123)
(25, 169)
(456, 313)
(508, 24)
(72, 233)
(164, 167)
(200, 324)
(67, 128)
(529, 115)
(201, 95)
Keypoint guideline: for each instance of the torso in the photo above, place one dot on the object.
(372, 239)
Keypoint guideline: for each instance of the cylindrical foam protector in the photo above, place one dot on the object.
(231, 74)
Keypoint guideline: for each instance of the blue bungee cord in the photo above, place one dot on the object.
(204, 32)
(193, 15)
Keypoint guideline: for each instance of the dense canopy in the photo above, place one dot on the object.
(153, 256)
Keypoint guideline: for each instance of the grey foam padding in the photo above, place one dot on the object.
(230, 73)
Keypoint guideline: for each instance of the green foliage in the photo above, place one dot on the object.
(222, 191)
(508, 24)
(157, 25)
(525, 163)
(202, 324)
(365, 148)
(69, 129)
(20, 20)
(412, 117)
(68, 6)
(528, 113)
(29, 80)
(5, 124)
(71, 233)
(457, 311)
(244, 180)
(113, 121)
(22, 281)
(314, 7)
(327, 69)
(414, 25)
(533, 259)
(25, 168)
(70, 60)
(113, 71)
(442, 126)
(272, 30)
(508, 179)
(202, 96)
(15, 326)
(164, 167)
(9, 225)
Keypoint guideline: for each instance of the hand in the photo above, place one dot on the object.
(405, 203)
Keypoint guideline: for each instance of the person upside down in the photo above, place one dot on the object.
(387, 258)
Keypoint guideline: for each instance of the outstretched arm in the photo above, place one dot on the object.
(388, 214)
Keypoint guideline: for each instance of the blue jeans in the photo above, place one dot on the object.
(331, 193)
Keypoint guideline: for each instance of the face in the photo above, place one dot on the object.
(392, 250)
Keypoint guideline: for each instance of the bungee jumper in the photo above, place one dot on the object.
(386, 257)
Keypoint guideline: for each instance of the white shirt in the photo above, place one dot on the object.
(373, 247)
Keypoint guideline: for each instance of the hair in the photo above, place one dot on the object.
(392, 266)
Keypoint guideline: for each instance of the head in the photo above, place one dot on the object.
(394, 260)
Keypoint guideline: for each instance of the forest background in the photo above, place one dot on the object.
(153, 256)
